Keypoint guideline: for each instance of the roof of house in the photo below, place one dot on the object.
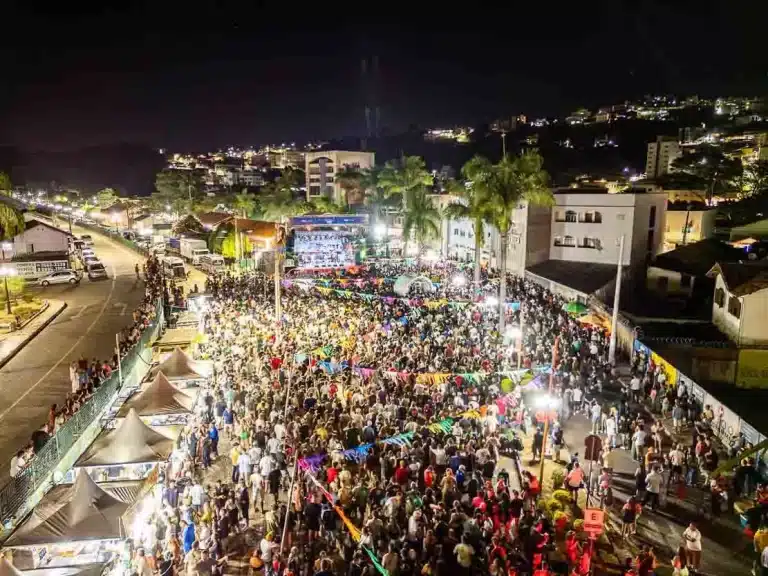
(29, 224)
(256, 228)
(698, 258)
(742, 278)
(586, 277)
(213, 218)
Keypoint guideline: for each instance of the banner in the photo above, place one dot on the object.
(669, 371)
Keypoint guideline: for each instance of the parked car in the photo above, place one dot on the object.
(60, 277)
(88, 252)
(90, 260)
(87, 240)
(96, 271)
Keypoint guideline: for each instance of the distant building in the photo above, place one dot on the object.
(40, 237)
(661, 154)
(282, 158)
(687, 225)
(321, 169)
(457, 236)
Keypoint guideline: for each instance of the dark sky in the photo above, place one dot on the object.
(203, 75)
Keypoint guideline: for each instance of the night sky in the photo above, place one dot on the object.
(195, 78)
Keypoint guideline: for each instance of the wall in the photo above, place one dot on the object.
(674, 285)
(752, 370)
(41, 238)
(720, 317)
(754, 319)
(644, 203)
(701, 225)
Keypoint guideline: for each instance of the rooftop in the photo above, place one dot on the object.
(29, 224)
(586, 277)
(698, 258)
(742, 278)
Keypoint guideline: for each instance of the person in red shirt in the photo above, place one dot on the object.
(331, 474)
(429, 477)
(401, 474)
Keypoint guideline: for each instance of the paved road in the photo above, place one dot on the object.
(39, 374)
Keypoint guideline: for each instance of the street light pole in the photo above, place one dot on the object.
(616, 297)
(7, 296)
(520, 340)
(555, 346)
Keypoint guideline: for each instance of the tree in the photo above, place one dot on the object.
(177, 190)
(5, 184)
(505, 186)
(106, 197)
(404, 175)
(350, 178)
(380, 199)
(756, 177)
(708, 169)
(11, 221)
(473, 207)
(422, 218)
(244, 204)
(188, 225)
(226, 240)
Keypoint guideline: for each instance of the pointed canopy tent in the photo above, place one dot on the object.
(158, 397)
(404, 284)
(179, 366)
(84, 512)
(132, 442)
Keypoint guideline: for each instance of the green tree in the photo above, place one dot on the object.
(177, 189)
(351, 180)
(106, 197)
(380, 199)
(404, 175)
(244, 204)
(11, 221)
(188, 225)
(708, 169)
(422, 219)
(473, 207)
(505, 186)
(756, 177)
(6, 187)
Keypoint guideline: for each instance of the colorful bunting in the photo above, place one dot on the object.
(399, 440)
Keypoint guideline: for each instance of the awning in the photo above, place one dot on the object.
(132, 442)
(158, 397)
(179, 366)
(82, 512)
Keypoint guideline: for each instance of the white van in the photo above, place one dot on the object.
(212, 263)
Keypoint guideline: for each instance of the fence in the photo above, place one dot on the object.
(15, 495)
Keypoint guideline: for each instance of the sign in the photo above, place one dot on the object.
(592, 447)
(39, 269)
(340, 220)
(752, 369)
(669, 371)
(594, 521)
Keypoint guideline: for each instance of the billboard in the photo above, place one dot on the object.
(323, 249)
(34, 270)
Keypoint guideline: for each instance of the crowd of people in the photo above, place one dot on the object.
(302, 413)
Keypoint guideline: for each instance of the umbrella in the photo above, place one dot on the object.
(575, 308)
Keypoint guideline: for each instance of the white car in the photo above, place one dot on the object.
(60, 277)
(87, 240)
(88, 252)
(87, 260)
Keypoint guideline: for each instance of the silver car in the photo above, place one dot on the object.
(60, 277)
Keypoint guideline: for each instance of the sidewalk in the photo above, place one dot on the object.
(12, 343)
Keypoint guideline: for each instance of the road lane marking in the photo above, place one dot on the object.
(122, 306)
(68, 353)
(82, 310)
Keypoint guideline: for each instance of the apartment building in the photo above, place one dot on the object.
(661, 154)
(321, 168)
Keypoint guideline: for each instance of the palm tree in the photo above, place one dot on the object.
(380, 199)
(244, 204)
(505, 186)
(350, 178)
(404, 175)
(422, 219)
(473, 207)
(11, 221)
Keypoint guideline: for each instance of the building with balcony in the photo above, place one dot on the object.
(321, 168)
(661, 154)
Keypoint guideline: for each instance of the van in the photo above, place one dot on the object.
(212, 263)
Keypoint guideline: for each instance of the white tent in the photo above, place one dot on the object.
(158, 397)
(404, 284)
(179, 366)
(132, 442)
(83, 512)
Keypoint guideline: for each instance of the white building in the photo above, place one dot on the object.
(661, 155)
(40, 237)
(740, 305)
(457, 236)
(587, 226)
(321, 169)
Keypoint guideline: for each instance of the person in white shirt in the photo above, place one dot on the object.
(692, 538)
(196, 493)
(577, 396)
(17, 464)
(610, 430)
(653, 482)
(244, 465)
(273, 445)
(279, 430)
(634, 387)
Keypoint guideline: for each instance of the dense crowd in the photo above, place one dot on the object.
(327, 389)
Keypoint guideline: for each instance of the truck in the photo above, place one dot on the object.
(192, 249)
(173, 267)
(212, 263)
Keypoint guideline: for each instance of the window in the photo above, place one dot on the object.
(685, 281)
(598, 218)
(558, 240)
(587, 216)
(734, 307)
(570, 216)
(455, 231)
(719, 297)
(569, 241)
(314, 190)
(591, 243)
(652, 217)
(32, 248)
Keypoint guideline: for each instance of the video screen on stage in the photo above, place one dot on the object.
(323, 249)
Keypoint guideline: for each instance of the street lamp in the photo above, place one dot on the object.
(5, 272)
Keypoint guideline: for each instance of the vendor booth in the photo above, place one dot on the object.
(181, 370)
(158, 397)
(409, 285)
(80, 524)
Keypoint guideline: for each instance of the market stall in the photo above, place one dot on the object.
(159, 397)
(180, 369)
(80, 524)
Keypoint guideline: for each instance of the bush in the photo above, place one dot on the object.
(558, 479)
(562, 496)
(578, 525)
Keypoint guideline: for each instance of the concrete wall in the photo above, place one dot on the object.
(41, 238)
(701, 225)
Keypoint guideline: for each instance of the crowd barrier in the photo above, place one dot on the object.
(17, 497)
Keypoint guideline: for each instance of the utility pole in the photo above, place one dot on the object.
(503, 143)
(279, 242)
(685, 228)
(295, 468)
(616, 297)
(520, 340)
(552, 368)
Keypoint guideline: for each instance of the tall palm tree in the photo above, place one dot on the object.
(244, 204)
(380, 199)
(473, 207)
(505, 186)
(404, 175)
(350, 178)
(422, 219)
(11, 221)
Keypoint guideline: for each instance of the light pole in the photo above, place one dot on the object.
(555, 346)
(616, 297)
(7, 271)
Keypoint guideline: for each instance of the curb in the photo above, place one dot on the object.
(29, 338)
